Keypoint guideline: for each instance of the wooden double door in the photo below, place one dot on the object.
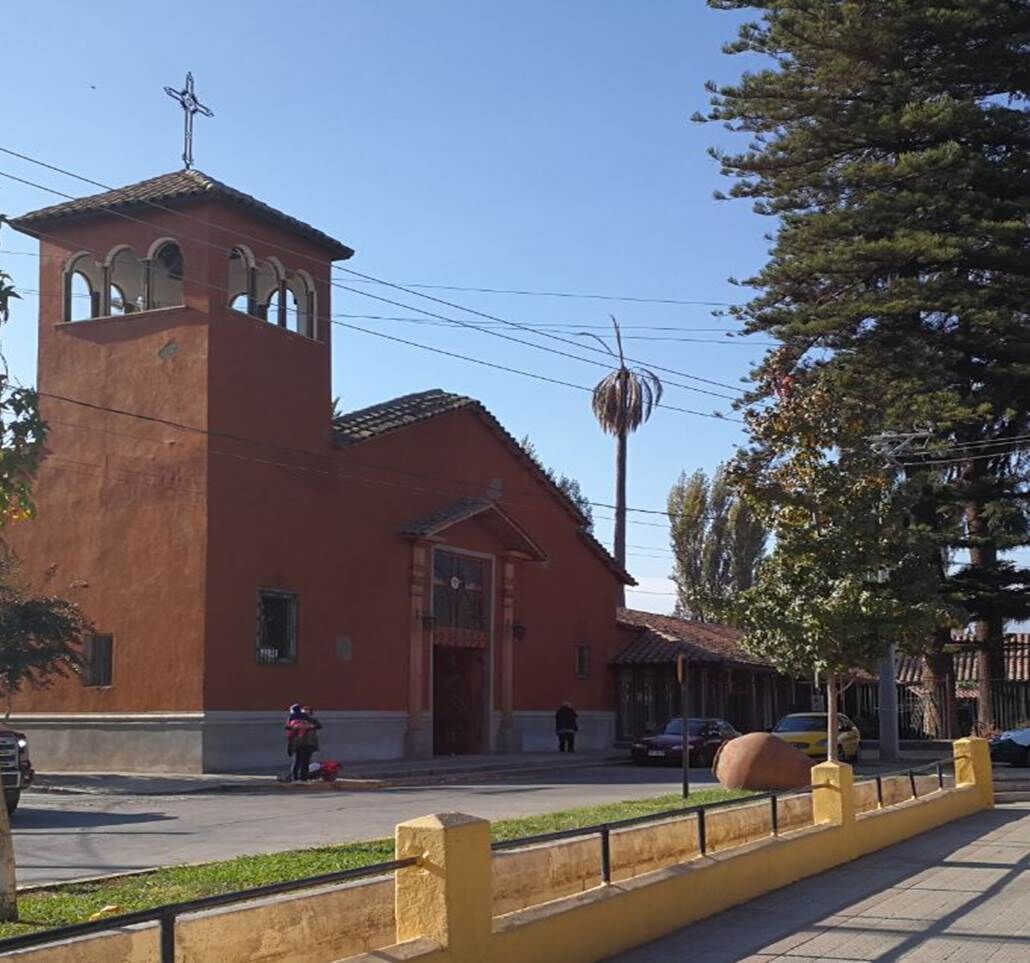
(459, 700)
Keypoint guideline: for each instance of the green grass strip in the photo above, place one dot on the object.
(76, 902)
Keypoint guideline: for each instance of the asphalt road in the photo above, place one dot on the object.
(63, 837)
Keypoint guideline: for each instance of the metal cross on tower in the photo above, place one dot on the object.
(187, 99)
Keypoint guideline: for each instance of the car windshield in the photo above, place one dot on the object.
(674, 727)
(801, 724)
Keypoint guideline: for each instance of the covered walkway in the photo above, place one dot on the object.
(961, 892)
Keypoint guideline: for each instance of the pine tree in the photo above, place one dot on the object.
(890, 139)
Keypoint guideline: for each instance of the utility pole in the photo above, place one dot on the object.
(891, 445)
(681, 675)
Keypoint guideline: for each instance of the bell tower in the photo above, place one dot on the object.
(184, 374)
(244, 288)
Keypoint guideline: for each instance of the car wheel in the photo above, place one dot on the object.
(12, 799)
(1024, 760)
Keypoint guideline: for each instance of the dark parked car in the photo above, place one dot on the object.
(1012, 747)
(705, 736)
(15, 768)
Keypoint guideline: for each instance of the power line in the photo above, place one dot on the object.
(541, 347)
(368, 278)
(959, 459)
(566, 294)
(441, 351)
(320, 455)
(401, 304)
(515, 324)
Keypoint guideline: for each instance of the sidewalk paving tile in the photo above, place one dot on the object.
(957, 893)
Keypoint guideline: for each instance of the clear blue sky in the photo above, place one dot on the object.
(536, 145)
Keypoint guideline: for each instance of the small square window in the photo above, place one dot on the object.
(582, 661)
(277, 627)
(98, 660)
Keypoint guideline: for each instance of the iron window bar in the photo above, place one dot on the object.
(165, 916)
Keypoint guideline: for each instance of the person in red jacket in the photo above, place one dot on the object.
(301, 739)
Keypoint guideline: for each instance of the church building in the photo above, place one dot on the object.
(406, 569)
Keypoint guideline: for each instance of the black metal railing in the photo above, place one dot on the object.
(165, 916)
(933, 768)
(603, 830)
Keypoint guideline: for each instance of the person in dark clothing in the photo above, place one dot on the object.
(302, 740)
(566, 726)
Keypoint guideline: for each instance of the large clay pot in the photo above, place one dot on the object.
(763, 762)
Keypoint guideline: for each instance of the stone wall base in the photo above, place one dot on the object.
(213, 741)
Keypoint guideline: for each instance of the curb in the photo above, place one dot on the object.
(428, 778)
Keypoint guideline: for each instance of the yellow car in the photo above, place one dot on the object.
(807, 731)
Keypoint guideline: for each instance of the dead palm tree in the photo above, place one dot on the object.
(623, 400)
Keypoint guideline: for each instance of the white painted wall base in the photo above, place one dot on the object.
(248, 740)
(103, 742)
(536, 730)
(245, 741)
(198, 741)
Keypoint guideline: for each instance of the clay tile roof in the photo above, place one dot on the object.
(396, 413)
(508, 530)
(1016, 653)
(408, 410)
(662, 637)
(169, 189)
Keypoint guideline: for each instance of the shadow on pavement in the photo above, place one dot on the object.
(803, 909)
(27, 819)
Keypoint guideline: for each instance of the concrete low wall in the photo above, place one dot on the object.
(322, 925)
(538, 874)
(604, 920)
(463, 904)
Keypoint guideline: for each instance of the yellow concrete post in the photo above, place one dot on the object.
(973, 767)
(833, 794)
(447, 897)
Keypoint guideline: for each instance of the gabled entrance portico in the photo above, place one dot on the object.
(462, 605)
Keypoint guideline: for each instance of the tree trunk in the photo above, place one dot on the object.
(619, 539)
(940, 715)
(8, 879)
(832, 724)
(988, 631)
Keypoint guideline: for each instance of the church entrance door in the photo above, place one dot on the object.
(462, 628)
(458, 694)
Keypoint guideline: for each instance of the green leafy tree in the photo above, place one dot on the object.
(846, 577)
(717, 542)
(39, 636)
(570, 486)
(889, 139)
(22, 431)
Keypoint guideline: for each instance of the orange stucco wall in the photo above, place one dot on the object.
(166, 535)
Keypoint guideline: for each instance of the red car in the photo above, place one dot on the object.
(15, 767)
(705, 736)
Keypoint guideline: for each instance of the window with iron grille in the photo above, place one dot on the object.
(582, 661)
(277, 627)
(460, 599)
(98, 660)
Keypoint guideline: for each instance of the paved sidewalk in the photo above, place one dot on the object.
(961, 892)
(357, 775)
